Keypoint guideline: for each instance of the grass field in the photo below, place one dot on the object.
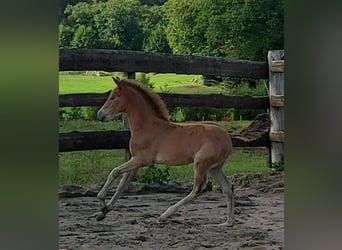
(173, 83)
(92, 167)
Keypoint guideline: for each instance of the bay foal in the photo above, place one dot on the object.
(154, 139)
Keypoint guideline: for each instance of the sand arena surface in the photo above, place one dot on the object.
(259, 219)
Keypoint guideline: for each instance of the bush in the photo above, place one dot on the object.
(154, 174)
(242, 88)
(205, 114)
(279, 166)
(144, 79)
(78, 113)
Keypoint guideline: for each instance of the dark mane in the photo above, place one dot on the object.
(153, 99)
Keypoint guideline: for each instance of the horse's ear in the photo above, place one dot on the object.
(117, 81)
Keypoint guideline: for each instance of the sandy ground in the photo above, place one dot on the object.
(259, 215)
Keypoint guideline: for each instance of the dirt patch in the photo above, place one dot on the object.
(259, 215)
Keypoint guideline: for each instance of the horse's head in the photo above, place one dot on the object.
(115, 103)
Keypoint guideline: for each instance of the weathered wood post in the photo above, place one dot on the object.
(127, 156)
(276, 93)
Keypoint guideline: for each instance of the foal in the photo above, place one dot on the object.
(154, 139)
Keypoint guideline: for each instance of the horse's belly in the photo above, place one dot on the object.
(167, 160)
(174, 156)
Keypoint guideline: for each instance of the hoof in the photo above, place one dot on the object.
(104, 209)
(100, 217)
(160, 221)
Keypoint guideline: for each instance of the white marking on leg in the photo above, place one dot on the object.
(227, 190)
(113, 174)
(120, 188)
(172, 209)
(196, 190)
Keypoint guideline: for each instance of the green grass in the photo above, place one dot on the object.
(88, 167)
(84, 84)
(173, 83)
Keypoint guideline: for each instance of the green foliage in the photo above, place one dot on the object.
(118, 24)
(154, 27)
(154, 174)
(113, 24)
(84, 37)
(243, 29)
(66, 34)
(156, 40)
(184, 34)
(78, 113)
(257, 26)
(279, 166)
(242, 88)
(144, 79)
(79, 26)
(205, 114)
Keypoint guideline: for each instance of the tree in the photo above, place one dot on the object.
(66, 34)
(156, 40)
(243, 29)
(79, 29)
(117, 23)
(257, 26)
(184, 34)
(84, 37)
(154, 28)
(114, 24)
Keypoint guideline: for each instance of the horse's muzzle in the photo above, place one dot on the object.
(101, 116)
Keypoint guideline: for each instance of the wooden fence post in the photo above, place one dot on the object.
(276, 93)
(129, 75)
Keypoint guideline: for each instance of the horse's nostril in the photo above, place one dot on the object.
(100, 116)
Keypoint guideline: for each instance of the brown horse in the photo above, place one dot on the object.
(154, 139)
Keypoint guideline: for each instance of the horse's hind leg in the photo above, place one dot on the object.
(198, 187)
(227, 190)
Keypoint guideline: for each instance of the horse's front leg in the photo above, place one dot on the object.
(128, 167)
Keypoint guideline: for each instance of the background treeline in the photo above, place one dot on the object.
(242, 29)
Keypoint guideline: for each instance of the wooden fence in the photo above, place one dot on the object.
(131, 61)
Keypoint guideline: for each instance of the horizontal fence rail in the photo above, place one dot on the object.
(175, 100)
(96, 140)
(136, 61)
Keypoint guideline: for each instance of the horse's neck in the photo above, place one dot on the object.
(140, 116)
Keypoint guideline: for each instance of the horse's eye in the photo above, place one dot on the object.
(112, 98)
